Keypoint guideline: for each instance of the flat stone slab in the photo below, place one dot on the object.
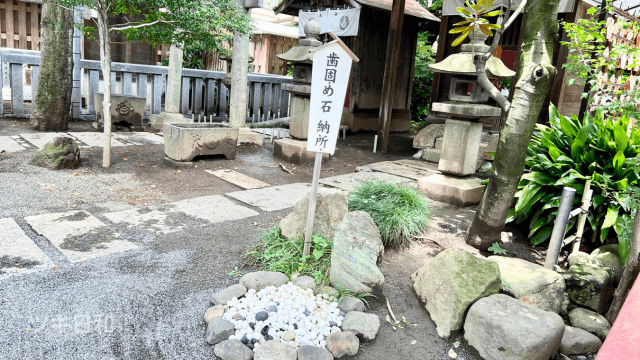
(399, 168)
(9, 145)
(349, 181)
(79, 235)
(40, 139)
(96, 139)
(273, 198)
(452, 190)
(241, 180)
(213, 209)
(139, 138)
(18, 253)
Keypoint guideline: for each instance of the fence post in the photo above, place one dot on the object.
(559, 228)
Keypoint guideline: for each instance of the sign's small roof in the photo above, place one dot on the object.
(411, 7)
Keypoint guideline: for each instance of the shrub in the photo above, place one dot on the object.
(399, 211)
(567, 153)
(275, 253)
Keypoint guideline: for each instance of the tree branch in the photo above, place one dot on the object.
(511, 19)
(481, 64)
(116, 28)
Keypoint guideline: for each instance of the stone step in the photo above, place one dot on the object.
(273, 198)
(18, 253)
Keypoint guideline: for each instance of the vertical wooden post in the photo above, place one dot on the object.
(308, 232)
(8, 13)
(390, 69)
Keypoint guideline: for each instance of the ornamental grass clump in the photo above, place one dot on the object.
(400, 212)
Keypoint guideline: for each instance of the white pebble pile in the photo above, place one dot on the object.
(301, 317)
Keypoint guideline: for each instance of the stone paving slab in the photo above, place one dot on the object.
(8, 144)
(349, 181)
(40, 139)
(96, 139)
(395, 168)
(213, 209)
(140, 138)
(241, 180)
(18, 253)
(273, 198)
(79, 235)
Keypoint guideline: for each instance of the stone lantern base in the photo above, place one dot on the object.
(460, 147)
(452, 190)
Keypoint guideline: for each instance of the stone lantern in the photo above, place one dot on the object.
(302, 58)
(467, 105)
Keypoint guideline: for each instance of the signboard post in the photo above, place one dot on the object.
(329, 81)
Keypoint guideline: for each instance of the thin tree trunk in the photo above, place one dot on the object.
(53, 98)
(630, 273)
(540, 32)
(105, 61)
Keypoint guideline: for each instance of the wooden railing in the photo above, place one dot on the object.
(204, 96)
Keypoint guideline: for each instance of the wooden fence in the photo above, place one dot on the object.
(20, 24)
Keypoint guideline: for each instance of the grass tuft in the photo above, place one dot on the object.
(275, 253)
(400, 212)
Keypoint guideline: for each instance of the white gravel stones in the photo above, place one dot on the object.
(300, 317)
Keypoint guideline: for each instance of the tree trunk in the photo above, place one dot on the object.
(630, 273)
(53, 98)
(536, 72)
(105, 62)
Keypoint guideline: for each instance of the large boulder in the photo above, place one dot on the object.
(590, 321)
(533, 284)
(577, 341)
(331, 207)
(275, 350)
(589, 285)
(452, 282)
(609, 256)
(261, 279)
(357, 249)
(60, 153)
(501, 327)
(581, 258)
(426, 138)
(362, 324)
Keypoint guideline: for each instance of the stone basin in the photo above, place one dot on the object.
(126, 110)
(184, 141)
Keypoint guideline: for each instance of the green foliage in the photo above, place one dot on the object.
(505, 285)
(422, 78)
(475, 14)
(192, 24)
(567, 153)
(399, 211)
(496, 249)
(589, 55)
(275, 253)
(235, 273)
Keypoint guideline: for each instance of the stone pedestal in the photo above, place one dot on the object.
(295, 151)
(299, 114)
(248, 137)
(452, 190)
(460, 146)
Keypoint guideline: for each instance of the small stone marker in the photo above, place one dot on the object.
(241, 180)
(79, 235)
(17, 252)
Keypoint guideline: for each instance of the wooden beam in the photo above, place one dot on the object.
(127, 52)
(9, 19)
(390, 70)
(35, 28)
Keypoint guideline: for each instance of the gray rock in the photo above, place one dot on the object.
(213, 312)
(426, 138)
(262, 316)
(233, 350)
(342, 344)
(331, 207)
(219, 330)
(590, 321)
(305, 282)
(325, 289)
(308, 352)
(261, 279)
(577, 341)
(609, 256)
(501, 327)
(590, 286)
(580, 258)
(275, 350)
(272, 308)
(61, 153)
(362, 324)
(450, 283)
(357, 249)
(224, 296)
(349, 303)
(533, 284)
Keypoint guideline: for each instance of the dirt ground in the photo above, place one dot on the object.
(163, 184)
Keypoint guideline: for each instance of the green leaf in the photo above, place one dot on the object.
(460, 38)
(567, 127)
(621, 184)
(618, 162)
(603, 234)
(542, 235)
(554, 153)
(611, 217)
(527, 194)
(540, 223)
(458, 30)
(597, 200)
(539, 178)
(621, 138)
(554, 115)
(576, 149)
(317, 253)
(624, 246)
(464, 11)
(493, 13)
